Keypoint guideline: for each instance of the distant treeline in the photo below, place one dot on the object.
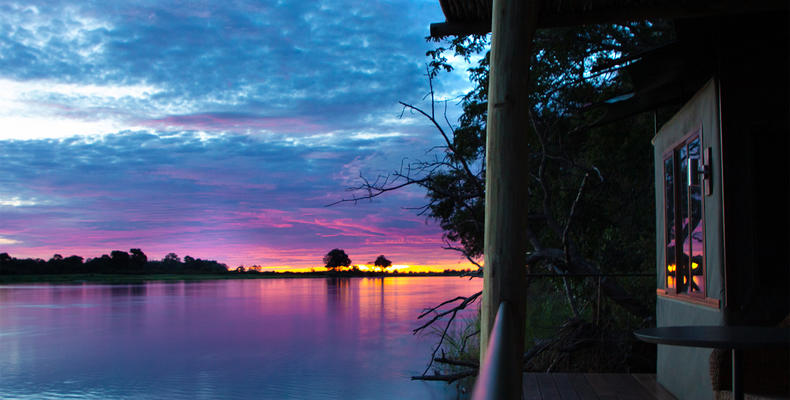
(117, 262)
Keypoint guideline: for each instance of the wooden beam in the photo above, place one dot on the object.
(598, 14)
(504, 275)
(444, 29)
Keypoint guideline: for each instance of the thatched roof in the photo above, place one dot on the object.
(474, 16)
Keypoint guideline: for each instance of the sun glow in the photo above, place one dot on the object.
(371, 267)
(399, 268)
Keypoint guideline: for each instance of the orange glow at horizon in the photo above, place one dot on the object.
(401, 268)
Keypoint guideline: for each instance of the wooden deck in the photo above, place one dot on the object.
(562, 386)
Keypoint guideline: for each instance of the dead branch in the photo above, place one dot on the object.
(460, 363)
(375, 191)
(446, 378)
(452, 312)
(534, 351)
(450, 146)
(465, 301)
(570, 218)
(567, 287)
(448, 246)
(466, 338)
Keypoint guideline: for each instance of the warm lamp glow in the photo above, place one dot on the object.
(696, 275)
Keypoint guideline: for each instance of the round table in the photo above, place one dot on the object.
(734, 338)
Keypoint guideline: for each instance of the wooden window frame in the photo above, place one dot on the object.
(699, 297)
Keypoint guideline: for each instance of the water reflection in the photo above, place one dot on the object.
(124, 291)
(337, 290)
(278, 338)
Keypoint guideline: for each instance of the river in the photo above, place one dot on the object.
(333, 338)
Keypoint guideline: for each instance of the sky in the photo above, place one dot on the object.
(216, 129)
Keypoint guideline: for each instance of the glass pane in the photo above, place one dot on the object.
(694, 154)
(669, 222)
(683, 229)
(696, 233)
(697, 240)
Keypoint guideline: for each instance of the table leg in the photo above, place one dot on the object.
(737, 374)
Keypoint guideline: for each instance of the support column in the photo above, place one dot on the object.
(513, 28)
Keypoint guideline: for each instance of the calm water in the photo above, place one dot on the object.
(335, 338)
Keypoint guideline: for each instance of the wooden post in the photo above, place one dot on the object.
(513, 28)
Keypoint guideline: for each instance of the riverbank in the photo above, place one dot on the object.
(140, 278)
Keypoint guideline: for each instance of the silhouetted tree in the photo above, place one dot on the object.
(73, 264)
(171, 258)
(138, 258)
(335, 259)
(54, 265)
(120, 260)
(5, 263)
(382, 262)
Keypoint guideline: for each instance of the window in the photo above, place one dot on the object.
(684, 233)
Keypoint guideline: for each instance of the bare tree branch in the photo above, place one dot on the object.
(570, 218)
(460, 363)
(447, 140)
(447, 378)
(466, 301)
(448, 246)
(375, 191)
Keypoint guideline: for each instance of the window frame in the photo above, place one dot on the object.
(672, 151)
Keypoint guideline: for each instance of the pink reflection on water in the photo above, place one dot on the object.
(269, 338)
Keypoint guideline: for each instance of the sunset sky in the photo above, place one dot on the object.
(219, 130)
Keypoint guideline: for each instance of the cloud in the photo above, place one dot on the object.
(342, 64)
(6, 241)
(214, 128)
(183, 190)
(232, 122)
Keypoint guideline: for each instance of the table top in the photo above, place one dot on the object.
(720, 337)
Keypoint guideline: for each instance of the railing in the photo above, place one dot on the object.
(500, 373)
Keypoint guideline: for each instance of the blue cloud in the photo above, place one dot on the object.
(335, 61)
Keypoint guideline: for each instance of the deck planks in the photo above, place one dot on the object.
(564, 387)
(648, 381)
(576, 386)
(582, 387)
(531, 390)
(548, 389)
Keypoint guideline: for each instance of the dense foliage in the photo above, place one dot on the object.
(591, 197)
(572, 69)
